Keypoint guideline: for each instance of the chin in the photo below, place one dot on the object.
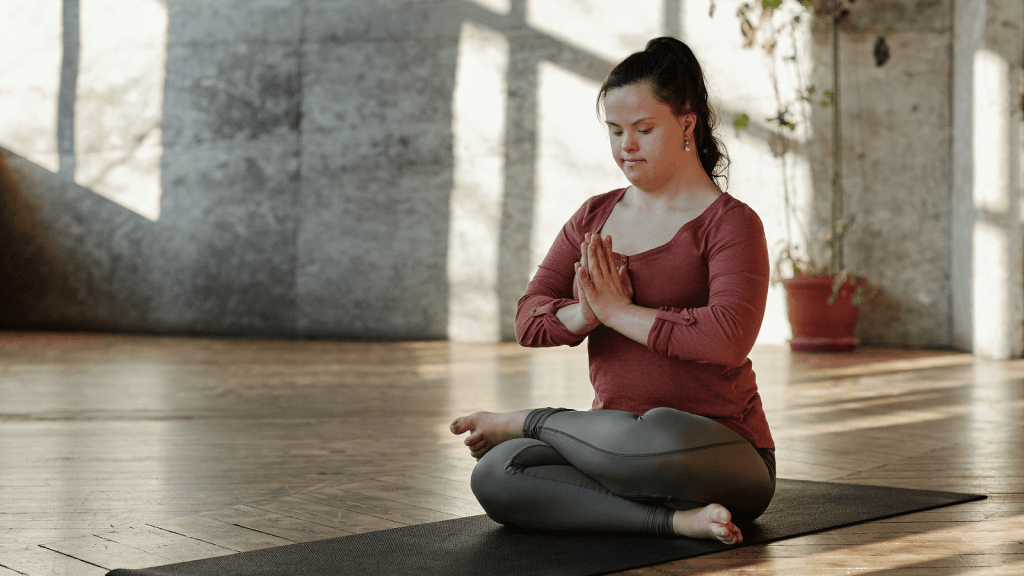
(636, 180)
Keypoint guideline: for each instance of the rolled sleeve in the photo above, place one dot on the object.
(676, 316)
(537, 324)
(662, 334)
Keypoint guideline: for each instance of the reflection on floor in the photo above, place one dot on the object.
(129, 451)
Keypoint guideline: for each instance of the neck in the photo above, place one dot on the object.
(689, 186)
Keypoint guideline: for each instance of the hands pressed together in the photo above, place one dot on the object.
(603, 289)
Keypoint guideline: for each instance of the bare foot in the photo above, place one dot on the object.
(710, 522)
(489, 429)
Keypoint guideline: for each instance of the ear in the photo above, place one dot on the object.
(688, 122)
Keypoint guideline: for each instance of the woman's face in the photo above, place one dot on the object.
(647, 139)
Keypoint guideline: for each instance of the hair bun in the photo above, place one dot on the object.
(671, 46)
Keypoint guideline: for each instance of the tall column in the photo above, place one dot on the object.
(988, 186)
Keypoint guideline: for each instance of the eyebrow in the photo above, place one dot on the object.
(634, 123)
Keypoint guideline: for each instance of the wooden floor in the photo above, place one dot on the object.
(120, 451)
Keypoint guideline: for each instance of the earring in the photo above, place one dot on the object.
(687, 142)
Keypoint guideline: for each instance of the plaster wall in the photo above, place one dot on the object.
(988, 177)
(397, 168)
(896, 164)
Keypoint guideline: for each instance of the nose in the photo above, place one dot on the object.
(628, 142)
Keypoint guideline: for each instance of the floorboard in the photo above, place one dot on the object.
(129, 451)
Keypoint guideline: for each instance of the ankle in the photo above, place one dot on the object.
(535, 420)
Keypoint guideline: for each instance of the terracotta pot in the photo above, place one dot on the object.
(817, 325)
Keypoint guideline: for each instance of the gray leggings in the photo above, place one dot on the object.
(610, 470)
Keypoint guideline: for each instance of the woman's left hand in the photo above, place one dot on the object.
(608, 289)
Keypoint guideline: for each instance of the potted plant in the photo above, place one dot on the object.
(822, 296)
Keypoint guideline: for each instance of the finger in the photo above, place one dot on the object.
(609, 254)
(586, 283)
(584, 249)
(582, 274)
(581, 292)
(598, 258)
(627, 282)
(607, 259)
(594, 261)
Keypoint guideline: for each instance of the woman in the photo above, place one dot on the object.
(676, 442)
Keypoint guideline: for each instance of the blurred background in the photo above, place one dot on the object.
(396, 169)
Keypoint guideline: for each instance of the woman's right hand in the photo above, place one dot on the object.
(585, 310)
(589, 318)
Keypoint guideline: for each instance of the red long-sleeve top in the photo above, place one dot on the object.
(709, 284)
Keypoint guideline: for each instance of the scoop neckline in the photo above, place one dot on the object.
(660, 247)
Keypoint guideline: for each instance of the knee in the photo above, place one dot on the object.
(488, 474)
(492, 475)
(763, 498)
(748, 515)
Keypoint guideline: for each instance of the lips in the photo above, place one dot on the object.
(631, 161)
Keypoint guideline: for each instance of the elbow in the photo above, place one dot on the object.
(733, 349)
(528, 333)
(736, 336)
(736, 359)
(521, 334)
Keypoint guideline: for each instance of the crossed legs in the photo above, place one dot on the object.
(664, 472)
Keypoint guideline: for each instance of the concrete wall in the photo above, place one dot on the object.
(397, 168)
(896, 121)
(988, 177)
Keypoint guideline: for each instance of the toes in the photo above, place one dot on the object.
(461, 425)
(727, 533)
(721, 515)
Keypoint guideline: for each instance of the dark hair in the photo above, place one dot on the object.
(670, 70)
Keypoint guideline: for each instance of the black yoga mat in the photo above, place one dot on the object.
(477, 545)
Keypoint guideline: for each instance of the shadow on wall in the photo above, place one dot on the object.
(305, 175)
(24, 258)
(59, 270)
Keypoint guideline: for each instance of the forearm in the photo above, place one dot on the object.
(632, 321)
(538, 324)
(572, 317)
